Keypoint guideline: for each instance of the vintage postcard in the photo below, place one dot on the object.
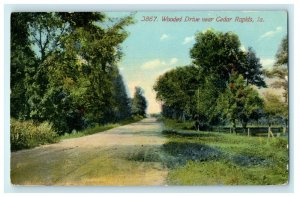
(165, 98)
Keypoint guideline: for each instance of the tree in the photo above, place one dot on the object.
(74, 81)
(219, 54)
(273, 107)
(22, 59)
(139, 103)
(239, 101)
(122, 108)
(282, 53)
(176, 89)
(252, 69)
(280, 73)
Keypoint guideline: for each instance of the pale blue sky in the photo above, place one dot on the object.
(155, 47)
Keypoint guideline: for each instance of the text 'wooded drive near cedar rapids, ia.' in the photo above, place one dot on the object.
(149, 98)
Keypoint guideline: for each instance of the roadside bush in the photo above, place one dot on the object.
(26, 134)
(137, 117)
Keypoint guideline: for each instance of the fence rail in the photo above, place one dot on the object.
(251, 130)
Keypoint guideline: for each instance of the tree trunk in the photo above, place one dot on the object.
(183, 117)
(244, 126)
(234, 127)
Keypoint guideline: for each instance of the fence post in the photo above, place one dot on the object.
(248, 132)
(270, 133)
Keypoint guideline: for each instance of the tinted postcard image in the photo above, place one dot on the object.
(149, 98)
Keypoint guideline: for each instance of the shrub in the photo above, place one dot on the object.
(137, 117)
(27, 134)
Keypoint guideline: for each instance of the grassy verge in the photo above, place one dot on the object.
(98, 128)
(205, 158)
(27, 134)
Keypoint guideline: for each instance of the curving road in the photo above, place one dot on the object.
(120, 156)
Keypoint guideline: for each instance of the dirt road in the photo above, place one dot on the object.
(114, 157)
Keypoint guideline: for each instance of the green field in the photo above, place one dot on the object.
(206, 158)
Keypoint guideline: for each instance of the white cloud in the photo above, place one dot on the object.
(272, 33)
(188, 39)
(173, 61)
(153, 64)
(157, 63)
(267, 62)
(164, 37)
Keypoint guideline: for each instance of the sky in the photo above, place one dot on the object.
(154, 47)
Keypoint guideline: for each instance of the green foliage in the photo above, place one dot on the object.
(27, 134)
(218, 54)
(171, 123)
(274, 107)
(280, 70)
(239, 101)
(252, 69)
(201, 91)
(22, 58)
(64, 70)
(282, 56)
(139, 103)
(176, 88)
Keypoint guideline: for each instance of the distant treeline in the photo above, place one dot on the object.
(64, 70)
(220, 86)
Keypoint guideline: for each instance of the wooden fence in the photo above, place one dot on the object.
(253, 131)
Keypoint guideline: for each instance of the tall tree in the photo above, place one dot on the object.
(252, 69)
(273, 107)
(280, 69)
(122, 108)
(73, 80)
(219, 54)
(176, 89)
(22, 60)
(139, 103)
(239, 101)
(280, 73)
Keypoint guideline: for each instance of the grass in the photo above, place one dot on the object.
(89, 131)
(98, 128)
(27, 134)
(205, 158)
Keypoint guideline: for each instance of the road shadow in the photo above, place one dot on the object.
(146, 153)
(174, 154)
(181, 152)
(246, 161)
